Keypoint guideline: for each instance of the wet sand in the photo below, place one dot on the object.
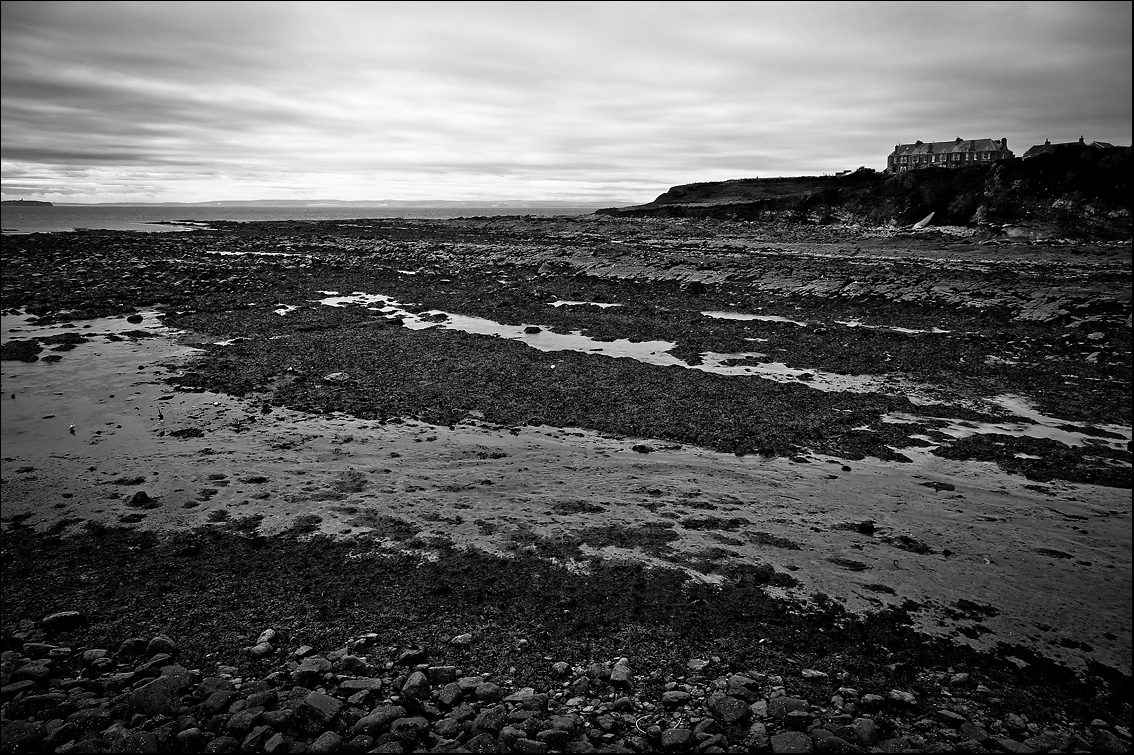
(1047, 565)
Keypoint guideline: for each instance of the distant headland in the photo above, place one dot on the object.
(26, 203)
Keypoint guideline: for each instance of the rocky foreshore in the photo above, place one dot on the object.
(241, 517)
(370, 696)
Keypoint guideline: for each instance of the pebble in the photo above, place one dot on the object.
(361, 703)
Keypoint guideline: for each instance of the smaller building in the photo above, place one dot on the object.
(958, 153)
(1047, 147)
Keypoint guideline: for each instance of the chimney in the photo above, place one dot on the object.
(1004, 144)
(959, 140)
(1047, 142)
(1080, 140)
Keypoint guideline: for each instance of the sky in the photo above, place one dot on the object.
(607, 102)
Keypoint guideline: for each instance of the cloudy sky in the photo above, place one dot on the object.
(616, 102)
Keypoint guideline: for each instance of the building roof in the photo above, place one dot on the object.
(1047, 146)
(957, 145)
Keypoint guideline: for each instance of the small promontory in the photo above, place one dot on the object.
(25, 203)
(1071, 192)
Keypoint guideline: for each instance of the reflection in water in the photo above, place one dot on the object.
(746, 316)
(565, 303)
(1041, 426)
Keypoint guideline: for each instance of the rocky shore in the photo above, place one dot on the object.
(793, 488)
(361, 698)
(494, 672)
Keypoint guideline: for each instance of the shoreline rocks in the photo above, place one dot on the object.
(71, 700)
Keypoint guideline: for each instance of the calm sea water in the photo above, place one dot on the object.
(142, 217)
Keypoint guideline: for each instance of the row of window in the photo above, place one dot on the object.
(956, 157)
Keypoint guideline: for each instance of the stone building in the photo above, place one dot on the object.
(1047, 147)
(955, 154)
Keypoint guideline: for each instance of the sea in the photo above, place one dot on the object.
(152, 218)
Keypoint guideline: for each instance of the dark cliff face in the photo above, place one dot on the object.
(1075, 191)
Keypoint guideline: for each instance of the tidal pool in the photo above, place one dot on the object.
(747, 316)
(565, 303)
(647, 352)
(1041, 426)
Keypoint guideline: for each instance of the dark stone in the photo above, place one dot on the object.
(244, 721)
(8, 691)
(223, 745)
(1012, 746)
(939, 486)
(63, 621)
(36, 671)
(730, 710)
(413, 656)
(141, 500)
(417, 686)
(29, 705)
(825, 741)
(483, 742)
(378, 720)
(18, 350)
(450, 694)
(1040, 742)
(310, 671)
(792, 742)
(972, 731)
(22, 736)
(325, 743)
(866, 730)
(797, 720)
(491, 719)
(620, 676)
(160, 695)
(316, 712)
(677, 740)
(359, 743)
(91, 718)
(532, 746)
(779, 707)
(1104, 740)
(409, 729)
(742, 687)
(154, 665)
(256, 739)
(557, 739)
(350, 686)
(488, 692)
(161, 643)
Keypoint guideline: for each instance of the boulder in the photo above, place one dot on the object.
(63, 621)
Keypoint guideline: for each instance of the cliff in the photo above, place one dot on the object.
(25, 203)
(1071, 192)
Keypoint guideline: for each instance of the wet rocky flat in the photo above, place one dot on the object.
(602, 437)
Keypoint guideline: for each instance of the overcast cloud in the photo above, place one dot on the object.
(557, 101)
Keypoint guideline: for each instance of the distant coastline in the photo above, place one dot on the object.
(26, 203)
(27, 218)
(360, 203)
